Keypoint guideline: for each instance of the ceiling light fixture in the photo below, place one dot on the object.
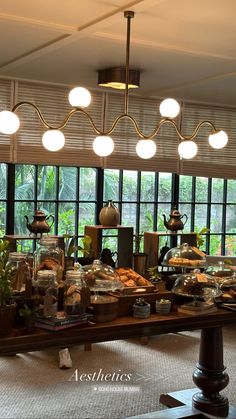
(103, 145)
(116, 78)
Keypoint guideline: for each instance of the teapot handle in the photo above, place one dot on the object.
(47, 218)
(186, 218)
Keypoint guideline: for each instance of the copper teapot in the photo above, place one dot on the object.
(39, 224)
(175, 222)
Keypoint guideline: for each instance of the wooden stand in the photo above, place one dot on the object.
(125, 242)
(152, 243)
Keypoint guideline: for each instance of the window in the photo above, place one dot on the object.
(3, 197)
(74, 196)
(66, 193)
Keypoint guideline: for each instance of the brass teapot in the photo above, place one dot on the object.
(175, 222)
(39, 224)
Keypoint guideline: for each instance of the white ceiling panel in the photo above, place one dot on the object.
(184, 49)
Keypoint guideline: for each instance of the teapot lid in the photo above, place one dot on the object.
(38, 212)
(175, 212)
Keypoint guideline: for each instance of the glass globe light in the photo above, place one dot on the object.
(187, 149)
(169, 108)
(79, 97)
(9, 122)
(103, 145)
(218, 140)
(146, 149)
(53, 140)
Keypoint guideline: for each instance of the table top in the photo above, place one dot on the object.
(120, 328)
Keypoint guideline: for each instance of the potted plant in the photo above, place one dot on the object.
(7, 305)
(139, 258)
(84, 248)
(29, 314)
(200, 239)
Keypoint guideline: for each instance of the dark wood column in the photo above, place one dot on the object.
(210, 376)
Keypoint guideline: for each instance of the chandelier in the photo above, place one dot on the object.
(53, 139)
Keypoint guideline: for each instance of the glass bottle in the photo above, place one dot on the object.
(49, 257)
(22, 277)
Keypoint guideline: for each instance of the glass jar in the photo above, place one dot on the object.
(73, 292)
(22, 278)
(46, 292)
(49, 257)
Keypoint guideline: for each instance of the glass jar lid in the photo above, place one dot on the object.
(48, 241)
(17, 256)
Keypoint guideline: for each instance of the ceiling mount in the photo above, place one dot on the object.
(115, 78)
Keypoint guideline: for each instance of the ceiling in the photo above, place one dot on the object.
(185, 49)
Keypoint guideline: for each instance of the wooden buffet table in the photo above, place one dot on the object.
(209, 375)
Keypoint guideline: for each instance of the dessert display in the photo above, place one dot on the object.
(196, 284)
(220, 270)
(133, 282)
(101, 277)
(225, 276)
(184, 255)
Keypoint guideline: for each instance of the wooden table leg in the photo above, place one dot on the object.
(210, 376)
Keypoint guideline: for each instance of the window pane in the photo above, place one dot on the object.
(3, 181)
(66, 218)
(46, 182)
(231, 191)
(67, 183)
(230, 245)
(87, 184)
(185, 209)
(164, 208)
(111, 185)
(3, 197)
(231, 218)
(217, 190)
(216, 219)
(200, 217)
(185, 188)
(147, 186)
(146, 217)
(22, 209)
(201, 189)
(129, 215)
(86, 215)
(2, 218)
(165, 184)
(24, 182)
(129, 185)
(215, 245)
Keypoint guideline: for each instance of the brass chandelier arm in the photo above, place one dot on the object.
(65, 121)
(189, 137)
(117, 120)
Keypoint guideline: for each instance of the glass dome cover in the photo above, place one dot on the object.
(196, 284)
(220, 270)
(101, 277)
(184, 255)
